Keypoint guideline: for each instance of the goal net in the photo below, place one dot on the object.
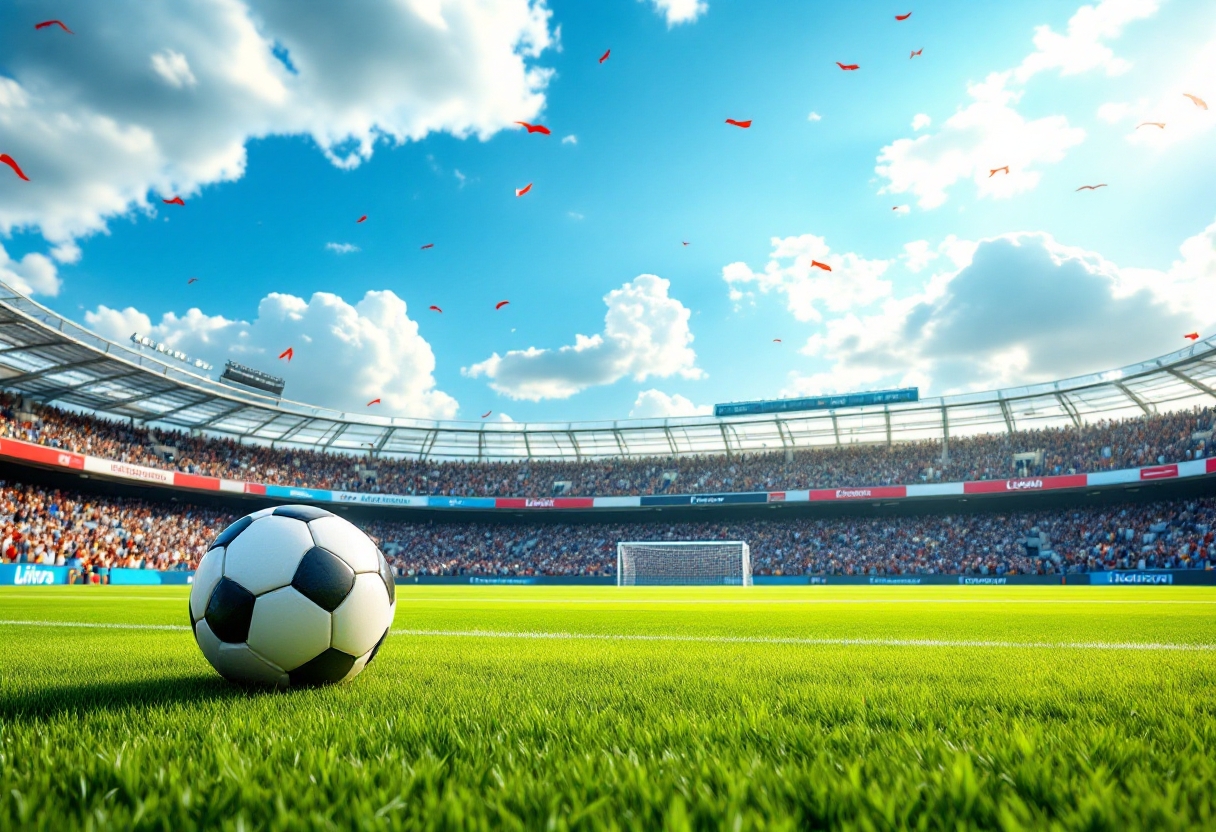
(685, 563)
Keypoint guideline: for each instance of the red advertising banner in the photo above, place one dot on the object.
(40, 454)
(544, 502)
(195, 481)
(255, 488)
(1211, 469)
(876, 492)
(1028, 484)
(776, 496)
(1161, 472)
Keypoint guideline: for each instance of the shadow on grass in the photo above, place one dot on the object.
(86, 698)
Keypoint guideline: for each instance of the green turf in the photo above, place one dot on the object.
(129, 728)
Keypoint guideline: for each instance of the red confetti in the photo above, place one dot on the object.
(1194, 336)
(523, 190)
(535, 128)
(372, 402)
(177, 200)
(995, 171)
(818, 265)
(12, 163)
(903, 16)
(1091, 187)
(58, 23)
(437, 309)
(501, 304)
(428, 245)
(604, 57)
(487, 413)
(192, 280)
(288, 353)
(848, 66)
(361, 219)
(915, 53)
(743, 124)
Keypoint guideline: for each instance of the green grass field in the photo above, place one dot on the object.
(776, 708)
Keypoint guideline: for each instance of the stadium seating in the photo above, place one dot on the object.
(1107, 445)
(39, 525)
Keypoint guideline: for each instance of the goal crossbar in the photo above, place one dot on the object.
(683, 563)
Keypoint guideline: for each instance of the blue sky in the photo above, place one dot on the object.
(403, 113)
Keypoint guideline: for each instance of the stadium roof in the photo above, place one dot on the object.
(54, 360)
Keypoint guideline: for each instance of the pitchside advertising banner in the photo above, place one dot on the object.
(33, 574)
(41, 455)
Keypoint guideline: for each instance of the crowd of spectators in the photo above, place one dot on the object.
(59, 528)
(1106, 445)
(1161, 535)
(54, 527)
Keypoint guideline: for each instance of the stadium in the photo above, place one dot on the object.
(893, 580)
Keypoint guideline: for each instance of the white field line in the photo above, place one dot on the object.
(841, 642)
(473, 600)
(94, 625)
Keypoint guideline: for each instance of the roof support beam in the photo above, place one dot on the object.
(53, 371)
(293, 430)
(620, 443)
(428, 444)
(50, 395)
(254, 431)
(578, 452)
(1198, 385)
(223, 414)
(1070, 408)
(671, 443)
(886, 412)
(481, 443)
(187, 406)
(26, 347)
(152, 394)
(1007, 413)
(786, 441)
(836, 428)
(945, 435)
(342, 428)
(527, 445)
(726, 439)
(383, 440)
(1139, 401)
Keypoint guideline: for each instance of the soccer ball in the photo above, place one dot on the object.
(292, 595)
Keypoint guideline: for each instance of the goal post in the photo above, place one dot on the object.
(683, 563)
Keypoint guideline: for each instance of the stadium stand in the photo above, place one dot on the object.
(1106, 445)
(55, 527)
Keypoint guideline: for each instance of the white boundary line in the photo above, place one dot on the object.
(846, 642)
(831, 642)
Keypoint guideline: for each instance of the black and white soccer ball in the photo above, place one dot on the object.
(293, 595)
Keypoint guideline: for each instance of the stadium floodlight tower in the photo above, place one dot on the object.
(684, 563)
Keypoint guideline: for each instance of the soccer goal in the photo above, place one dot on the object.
(683, 563)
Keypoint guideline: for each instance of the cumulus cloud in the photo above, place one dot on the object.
(344, 354)
(174, 69)
(902, 209)
(917, 254)
(680, 11)
(808, 290)
(1020, 308)
(342, 248)
(655, 404)
(571, 139)
(33, 274)
(990, 133)
(1081, 48)
(814, 116)
(645, 334)
(101, 127)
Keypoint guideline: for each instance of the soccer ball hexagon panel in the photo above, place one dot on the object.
(292, 595)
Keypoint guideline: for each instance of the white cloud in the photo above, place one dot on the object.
(902, 209)
(814, 116)
(342, 248)
(1022, 308)
(33, 274)
(645, 334)
(344, 355)
(680, 11)
(853, 282)
(1114, 112)
(460, 177)
(575, 215)
(988, 133)
(917, 255)
(655, 404)
(1183, 118)
(174, 69)
(99, 132)
(571, 139)
(1081, 49)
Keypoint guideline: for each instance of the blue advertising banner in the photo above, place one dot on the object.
(705, 499)
(299, 493)
(906, 394)
(135, 577)
(29, 574)
(1130, 578)
(460, 502)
